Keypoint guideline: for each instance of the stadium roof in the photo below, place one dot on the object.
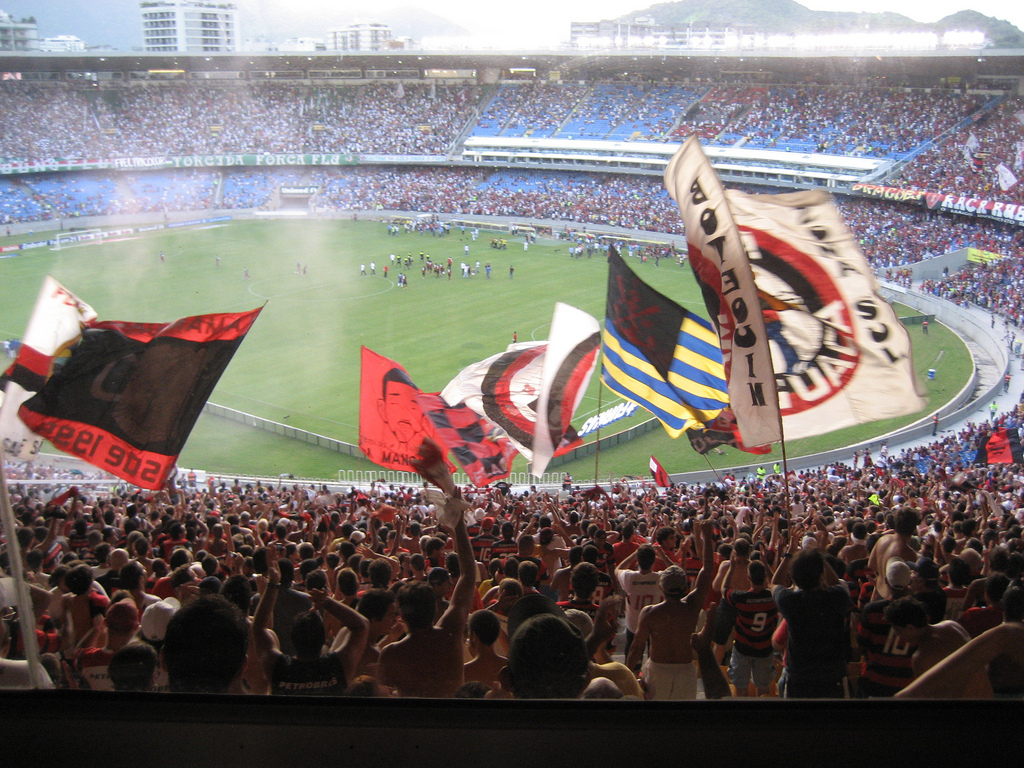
(584, 65)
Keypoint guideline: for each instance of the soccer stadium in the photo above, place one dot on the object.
(434, 208)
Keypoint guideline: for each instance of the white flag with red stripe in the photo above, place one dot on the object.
(55, 326)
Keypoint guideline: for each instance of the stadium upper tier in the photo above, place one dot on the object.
(785, 135)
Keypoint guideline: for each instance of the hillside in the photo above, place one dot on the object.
(779, 16)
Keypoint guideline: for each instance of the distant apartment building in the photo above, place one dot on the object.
(18, 35)
(189, 26)
(360, 37)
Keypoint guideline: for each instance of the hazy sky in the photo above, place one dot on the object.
(521, 16)
(521, 24)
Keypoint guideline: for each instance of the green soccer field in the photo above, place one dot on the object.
(300, 363)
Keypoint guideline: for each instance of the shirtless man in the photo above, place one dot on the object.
(428, 661)
(895, 543)
(934, 642)
(669, 672)
(990, 665)
(486, 665)
(857, 549)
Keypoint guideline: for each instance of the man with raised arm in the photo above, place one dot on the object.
(428, 661)
(669, 672)
(309, 672)
(815, 610)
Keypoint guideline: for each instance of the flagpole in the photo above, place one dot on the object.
(785, 464)
(711, 467)
(597, 439)
(23, 600)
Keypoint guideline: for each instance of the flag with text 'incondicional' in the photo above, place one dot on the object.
(56, 325)
(130, 393)
(480, 448)
(722, 268)
(391, 422)
(659, 355)
(573, 345)
(1003, 447)
(505, 389)
(840, 354)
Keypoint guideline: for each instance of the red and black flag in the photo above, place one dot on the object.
(660, 475)
(130, 393)
(391, 423)
(1003, 447)
(479, 447)
(722, 431)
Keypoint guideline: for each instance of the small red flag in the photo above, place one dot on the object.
(660, 475)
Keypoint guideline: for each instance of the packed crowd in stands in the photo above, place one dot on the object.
(387, 590)
(949, 168)
(891, 235)
(56, 122)
(898, 235)
(39, 122)
(59, 121)
(848, 121)
(997, 287)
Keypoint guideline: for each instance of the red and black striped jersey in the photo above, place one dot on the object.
(887, 659)
(756, 618)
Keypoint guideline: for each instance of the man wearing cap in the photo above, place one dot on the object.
(888, 656)
(91, 664)
(670, 673)
(894, 543)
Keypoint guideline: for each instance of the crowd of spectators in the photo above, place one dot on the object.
(848, 121)
(369, 592)
(899, 235)
(996, 286)
(951, 167)
(59, 122)
(891, 235)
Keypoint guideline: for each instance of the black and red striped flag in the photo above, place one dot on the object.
(130, 393)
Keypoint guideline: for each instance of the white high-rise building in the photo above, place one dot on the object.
(359, 37)
(18, 35)
(189, 26)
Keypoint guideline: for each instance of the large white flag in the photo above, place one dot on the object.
(1005, 177)
(569, 362)
(841, 356)
(722, 267)
(504, 389)
(511, 389)
(56, 325)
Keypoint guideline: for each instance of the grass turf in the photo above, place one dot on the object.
(300, 363)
